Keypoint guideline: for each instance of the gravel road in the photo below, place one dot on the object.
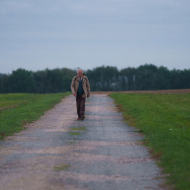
(99, 153)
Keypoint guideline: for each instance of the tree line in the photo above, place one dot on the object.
(144, 77)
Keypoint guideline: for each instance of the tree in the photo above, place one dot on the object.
(21, 80)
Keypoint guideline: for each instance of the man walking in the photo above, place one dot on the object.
(80, 88)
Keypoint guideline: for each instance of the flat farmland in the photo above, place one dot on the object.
(160, 120)
(175, 91)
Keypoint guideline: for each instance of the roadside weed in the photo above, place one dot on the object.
(78, 129)
(74, 133)
(62, 167)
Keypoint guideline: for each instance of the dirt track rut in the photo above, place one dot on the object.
(103, 154)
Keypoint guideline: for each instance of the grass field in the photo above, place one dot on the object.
(18, 109)
(164, 119)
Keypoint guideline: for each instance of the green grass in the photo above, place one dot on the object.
(74, 133)
(18, 109)
(79, 129)
(72, 142)
(62, 167)
(164, 119)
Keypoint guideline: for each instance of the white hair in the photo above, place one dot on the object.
(79, 70)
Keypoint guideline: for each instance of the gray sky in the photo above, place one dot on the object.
(39, 34)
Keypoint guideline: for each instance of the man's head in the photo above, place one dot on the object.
(80, 73)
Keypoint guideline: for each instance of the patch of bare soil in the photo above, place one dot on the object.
(12, 106)
(173, 91)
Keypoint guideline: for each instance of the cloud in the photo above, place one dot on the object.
(100, 30)
(129, 9)
(14, 6)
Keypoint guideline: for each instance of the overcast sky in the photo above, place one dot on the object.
(39, 34)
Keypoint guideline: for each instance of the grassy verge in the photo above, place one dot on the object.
(164, 119)
(18, 109)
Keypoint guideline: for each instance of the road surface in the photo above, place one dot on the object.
(58, 152)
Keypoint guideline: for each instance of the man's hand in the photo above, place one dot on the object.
(88, 95)
(74, 94)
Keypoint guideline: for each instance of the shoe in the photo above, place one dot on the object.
(79, 118)
(82, 117)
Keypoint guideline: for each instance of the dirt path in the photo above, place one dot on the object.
(103, 154)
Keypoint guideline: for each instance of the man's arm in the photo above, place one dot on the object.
(73, 86)
(88, 87)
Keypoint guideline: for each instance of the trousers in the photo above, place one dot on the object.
(80, 101)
